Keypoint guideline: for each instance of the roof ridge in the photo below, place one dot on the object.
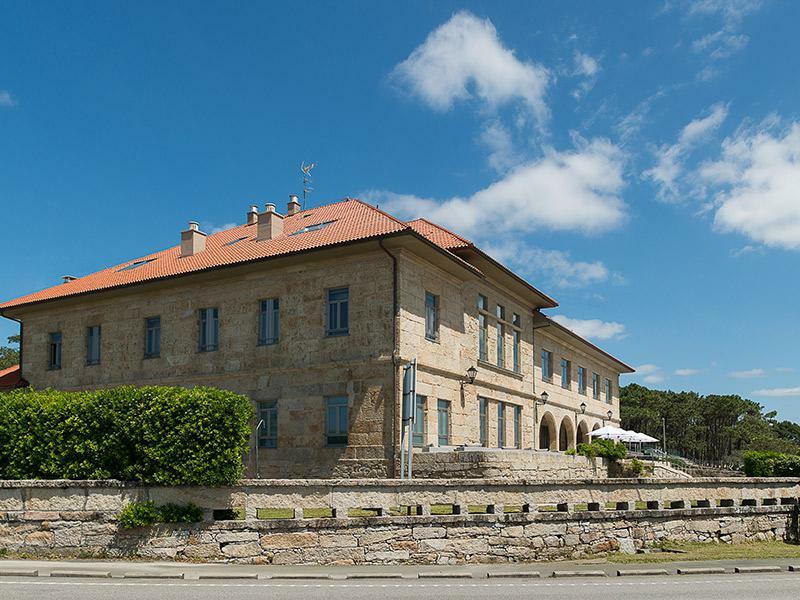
(383, 212)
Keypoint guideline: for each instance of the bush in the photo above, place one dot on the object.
(145, 514)
(771, 464)
(138, 514)
(155, 435)
(604, 449)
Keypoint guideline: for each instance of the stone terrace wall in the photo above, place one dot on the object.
(79, 519)
(479, 463)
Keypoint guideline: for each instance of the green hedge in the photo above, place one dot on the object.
(144, 514)
(771, 464)
(604, 449)
(156, 435)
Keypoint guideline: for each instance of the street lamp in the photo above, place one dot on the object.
(583, 411)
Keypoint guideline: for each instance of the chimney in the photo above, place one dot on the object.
(252, 215)
(294, 205)
(193, 241)
(270, 224)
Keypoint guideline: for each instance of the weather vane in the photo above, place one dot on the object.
(306, 170)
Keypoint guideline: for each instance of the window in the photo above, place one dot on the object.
(484, 407)
(135, 264)
(515, 339)
(236, 241)
(518, 427)
(337, 416)
(418, 432)
(483, 329)
(595, 386)
(54, 361)
(431, 316)
(268, 421)
(501, 425)
(152, 337)
(566, 374)
(608, 391)
(308, 228)
(209, 329)
(501, 336)
(547, 365)
(582, 380)
(338, 311)
(443, 422)
(93, 345)
(268, 322)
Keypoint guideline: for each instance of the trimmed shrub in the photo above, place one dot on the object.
(604, 449)
(155, 435)
(771, 464)
(145, 514)
(138, 514)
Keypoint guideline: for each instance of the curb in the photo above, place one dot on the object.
(758, 569)
(445, 575)
(18, 573)
(230, 576)
(513, 574)
(152, 575)
(579, 574)
(641, 572)
(702, 571)
(374, 576)
(92, 574)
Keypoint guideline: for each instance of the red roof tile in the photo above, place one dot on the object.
(350, 220)
(10, 377)
(438, 234)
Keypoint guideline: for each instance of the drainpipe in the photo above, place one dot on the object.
(395, 350)
(21, 339)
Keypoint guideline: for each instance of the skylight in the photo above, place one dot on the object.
(236, 241)
(308, 228)
(136, 264)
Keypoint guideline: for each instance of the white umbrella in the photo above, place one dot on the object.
(609, 432)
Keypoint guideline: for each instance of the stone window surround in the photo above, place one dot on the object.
(507, 326)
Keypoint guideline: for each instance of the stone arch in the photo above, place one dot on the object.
(566, 434)
(583, 433)
(596, 426)
(547, 433)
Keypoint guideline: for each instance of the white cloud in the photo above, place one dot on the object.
(778, 392)
(748, 374)
(757, 178)
(464, 58)
(687, 372)
(727, 40)
(647, 369)
(649, 373)
(502, 155)
(669, 168)
(577, 190)
(555, 266)
(592, 328)
(588, 67)
(6, 99)
(784, 370)
(211, 228)
(655, 378)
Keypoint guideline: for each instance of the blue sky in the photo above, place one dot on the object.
(636, 160)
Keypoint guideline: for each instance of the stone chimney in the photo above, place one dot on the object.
(270, 224)
(193, 241)
(252, 215)
(294, 205)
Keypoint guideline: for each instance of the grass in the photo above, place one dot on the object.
(691, 551)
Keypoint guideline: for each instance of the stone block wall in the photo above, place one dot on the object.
(491, 520)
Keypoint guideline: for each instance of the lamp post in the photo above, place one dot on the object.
(536, 402)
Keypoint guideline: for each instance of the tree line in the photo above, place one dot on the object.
(713, 429)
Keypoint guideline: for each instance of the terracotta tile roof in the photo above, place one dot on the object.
(438, 234)
(10, 377)
(347, 221)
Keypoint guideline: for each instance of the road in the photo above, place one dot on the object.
(779, 586)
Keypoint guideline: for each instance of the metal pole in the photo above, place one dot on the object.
(535, 422)
(258, 447)
(413, 414)
(664, 434)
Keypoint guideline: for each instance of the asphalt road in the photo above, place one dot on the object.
(780, 586)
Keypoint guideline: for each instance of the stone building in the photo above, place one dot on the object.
(312, 315)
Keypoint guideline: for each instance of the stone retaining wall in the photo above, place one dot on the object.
(480, 463)
(518, 521)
